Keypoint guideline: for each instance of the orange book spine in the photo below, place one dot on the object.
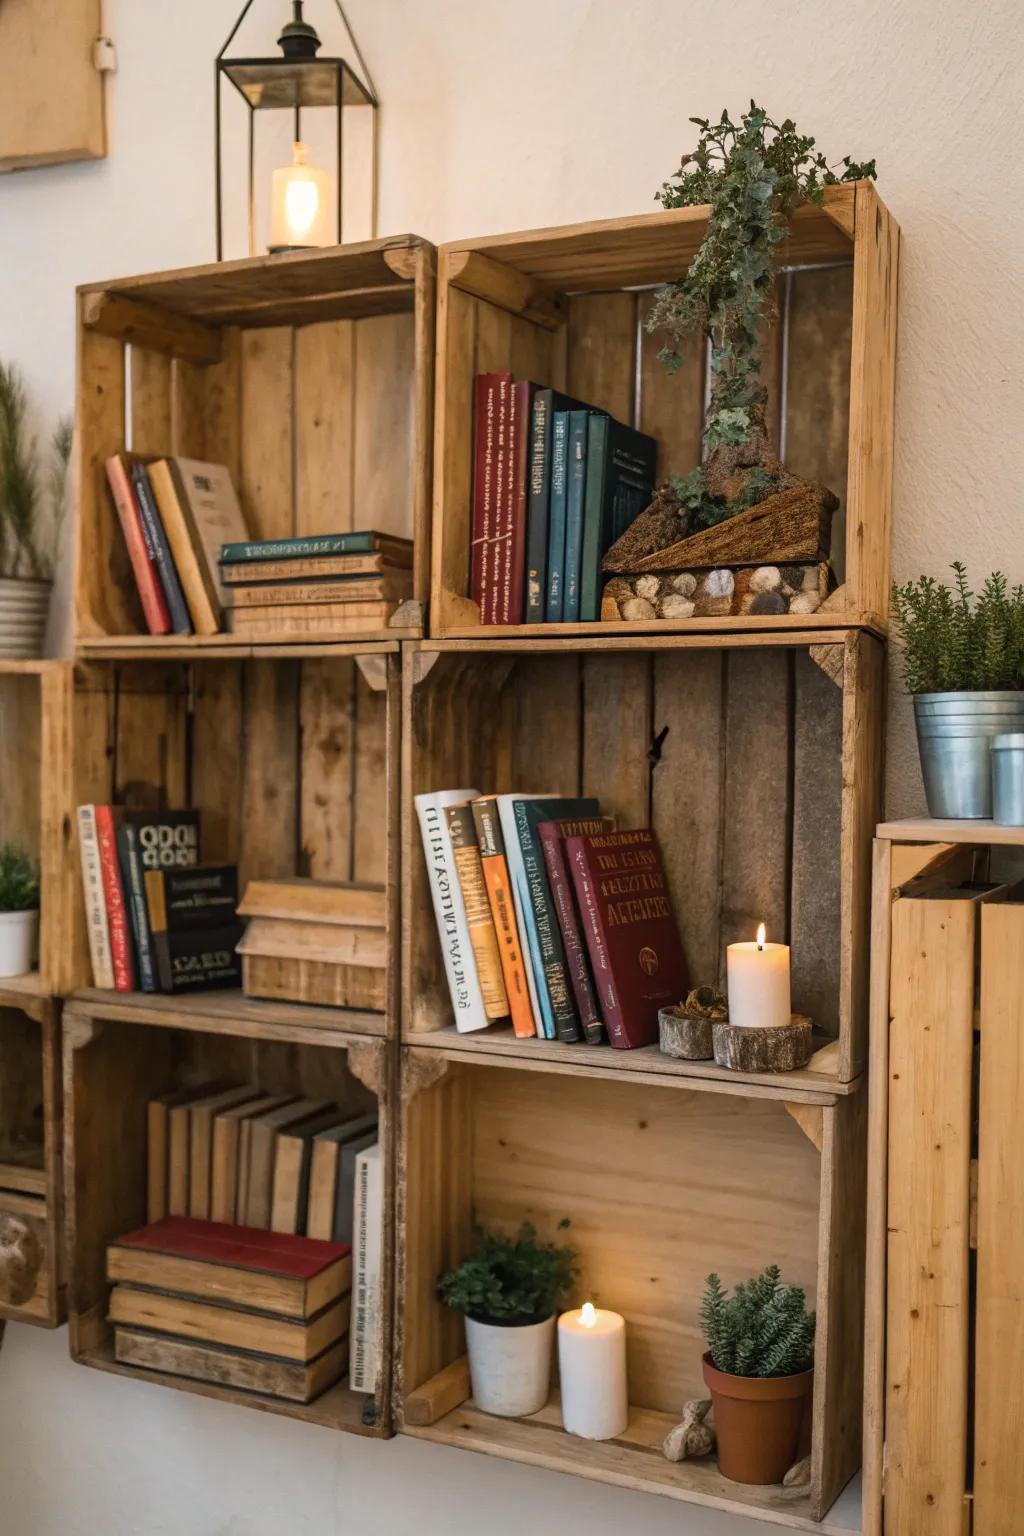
(499, 896)
(482, 933)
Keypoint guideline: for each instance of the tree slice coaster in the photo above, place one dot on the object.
(773, 1048)
(686, 1035)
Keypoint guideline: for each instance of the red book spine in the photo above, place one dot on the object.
(572, 938)
(513, 530)
(596, 946)
(113, 895)
(490, 396)
(154, 603)
(493, 548)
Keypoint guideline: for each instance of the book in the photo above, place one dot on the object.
(636, 953)
(107, 817)
(197, 577)
(96, 921)
(364, 1335)
(226, 1145)
(158, 1149)
(551, 976)
(247, 1370)
(130, 862)
(395, 587)
(290, 1188)
(262, 1138)
(310, 618)
(154, 603)
(329, 1205)
(621, 468)
(245, 1161)
(512, 510)
(210, 1322)
(545, 403)
(449, 908)
(179, 1143)
(494, 868)
(197, 896)
(482, 935)
(200, 1148)
(490, 403)
(551, 834)
(212, 517)
(557, 516)
(576, 473)
(317, 568)
(315, 546)
(199, 959)
(159, 550)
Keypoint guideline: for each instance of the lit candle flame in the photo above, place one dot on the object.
(588, 1314)
(760, 935)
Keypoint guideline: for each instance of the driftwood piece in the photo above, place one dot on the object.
(685, 1028)
(774, 1048)
(694, 1435)
(21, 1259)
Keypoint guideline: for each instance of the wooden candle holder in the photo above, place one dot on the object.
(685, 1035)
(773, 1048)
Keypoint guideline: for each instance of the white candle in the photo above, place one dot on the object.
(592, 1367)
(758, 982)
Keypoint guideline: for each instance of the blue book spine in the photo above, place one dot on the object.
(576, 478)
(130, 861)
(539, 491)
(160, 551)
(557, 516)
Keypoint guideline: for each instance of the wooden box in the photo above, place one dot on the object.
(757, 763)
(291, 762)
(309, 375)
(118, 1054)
(330, 946)
(662, 1184)
(51, 95)
(30, 1154)
(566, 307)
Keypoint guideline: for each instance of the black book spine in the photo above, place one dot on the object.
(160, 551)
(202, 959)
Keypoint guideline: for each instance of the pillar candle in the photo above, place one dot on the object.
(758, 982)
(592, 1366)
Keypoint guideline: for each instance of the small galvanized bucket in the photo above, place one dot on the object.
(955, 732)
(1008, 779)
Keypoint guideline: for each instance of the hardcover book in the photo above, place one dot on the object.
(551, 834)
(621, 466)
(482, 935)
(317, 568)
(159, 549)
(114, 897)
(226, 1155)
(449, 908)
(96, 919)
(557, 517)
(490, 394)
(200, 1154)
(290, 1189)
(197, 576)
(212, 516)
(313, 546)
(497, 882)
(364, 1337)
(210, 1322)
(576, 477)
(151, 594)
(545, 403)
(202, 896)
(199, 959)
(258, 1174)
(636, 953)
(512, 511)
(332, 1177)
(249, 1370)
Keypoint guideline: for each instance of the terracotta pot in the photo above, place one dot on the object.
(758, 1420)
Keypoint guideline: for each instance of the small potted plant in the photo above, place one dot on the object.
(759, 1371)
(32, 501)
(19, 911)
(963, 661)
(508, 1291)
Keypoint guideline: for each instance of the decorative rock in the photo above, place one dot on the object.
(767, 578)
(768, 602)
(799, 1474)
(694, 1435)
(648, 586)
(675, 607)
(805, 602)
(637, 608)
(773, 1048)
(719, 583)
(796, 577)
(685, 583)
(21, 1259)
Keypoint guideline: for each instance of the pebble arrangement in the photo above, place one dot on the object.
(725, 591)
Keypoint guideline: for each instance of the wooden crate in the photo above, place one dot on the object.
(309, 375)
(944, 1400)
(30, 1144)
(663, 1179)
(566, 307)
(292, 762)
(118, 1055)
(51, 97)
(758, 764)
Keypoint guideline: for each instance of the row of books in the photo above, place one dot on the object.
(157, 919)
(549, 918)
(198, 571)
(231, 1305)
(555, 483)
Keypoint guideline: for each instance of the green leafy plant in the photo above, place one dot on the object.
(512, 1280)
(753, 174)
(19, 880)
(762, 1329)
(954, 641)
(30, 522)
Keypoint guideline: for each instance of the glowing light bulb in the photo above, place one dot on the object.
(301, 201)
(588, 1314)
(300, 205)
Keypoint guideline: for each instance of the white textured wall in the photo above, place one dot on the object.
(502, 115)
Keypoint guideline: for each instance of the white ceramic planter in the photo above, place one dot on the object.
(19, 932)
(510, 1368)
(24, 607)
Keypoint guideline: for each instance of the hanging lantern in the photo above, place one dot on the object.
(303, 92)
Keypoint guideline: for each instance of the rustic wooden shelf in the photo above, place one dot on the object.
(930, 829)
(310, 375)
(30, 1118)
(233, 648)
(566, 307)
(229, 1011)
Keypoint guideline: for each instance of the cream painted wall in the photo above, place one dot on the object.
(502, 116)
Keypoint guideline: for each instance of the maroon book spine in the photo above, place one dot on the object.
(575, 949)
(635, 949)
(513, 512)
(490, 392)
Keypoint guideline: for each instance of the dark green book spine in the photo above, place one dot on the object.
(575, 491)
(596, 527)
(538, 494)
(556, 516)
(300, 549)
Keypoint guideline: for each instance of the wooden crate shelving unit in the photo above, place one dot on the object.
(118, 1055)
(309, 375)
(566, 307)
(945, 1297)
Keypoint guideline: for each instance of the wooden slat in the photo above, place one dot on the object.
(145, 325)
(223, 407)
(369, 784)
(863, 758)
(266, 488)
(815, 910)
(617, 736)
(602, 344)
(453, 453)
(999, 1309)
(188, 409)
(440, 1394)
(270, 776)
(217, 774)
(150, 761)
(878, 1151)
(324, 406)
(327, 725)
(106, 598)
(671, 405)
(539, 704)
(424, 333)
(504, 286)
(150, 374)
(382, 454)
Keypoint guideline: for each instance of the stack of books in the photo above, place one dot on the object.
(253, 1310)
(157, 919)
(549, 918)
(330, 584)
(555, 483)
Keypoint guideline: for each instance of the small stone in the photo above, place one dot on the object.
(694, 1435)
(805, 602)
(768, 602)
(685, 583)
(713, 607)
(637, 608)
(811, 579)
(799, 1474)
(767, 578)
(675, 607)
(719, 583)
(647, 586)
(793, 576)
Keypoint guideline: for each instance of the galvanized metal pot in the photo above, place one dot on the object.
(1008, 780)
(954, 737)
(24, 606)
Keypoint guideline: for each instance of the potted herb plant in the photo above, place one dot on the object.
(759, 1371)
(19, 911)
(963, 661)
(508, 1291)
(31, 514)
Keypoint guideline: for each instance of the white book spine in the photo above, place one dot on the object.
(95, 904)
(367, 1230)
(450, 909)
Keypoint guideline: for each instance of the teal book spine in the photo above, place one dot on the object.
(576, 477)
(300, 549)
(557, 516)
(595, 519)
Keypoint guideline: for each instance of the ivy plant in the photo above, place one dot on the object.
(955, 641)
(19, 880)
(510, 1280)
(762, 1329)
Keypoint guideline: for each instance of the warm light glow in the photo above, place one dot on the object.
(760, 935)
(588, 1314)
(301, 204)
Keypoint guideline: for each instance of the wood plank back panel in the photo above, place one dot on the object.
(21, 730)
(671, 405)
(266, 487)
(382, 461)
(816, 919)
(150, 378)
(106, 599)
(325, 395)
